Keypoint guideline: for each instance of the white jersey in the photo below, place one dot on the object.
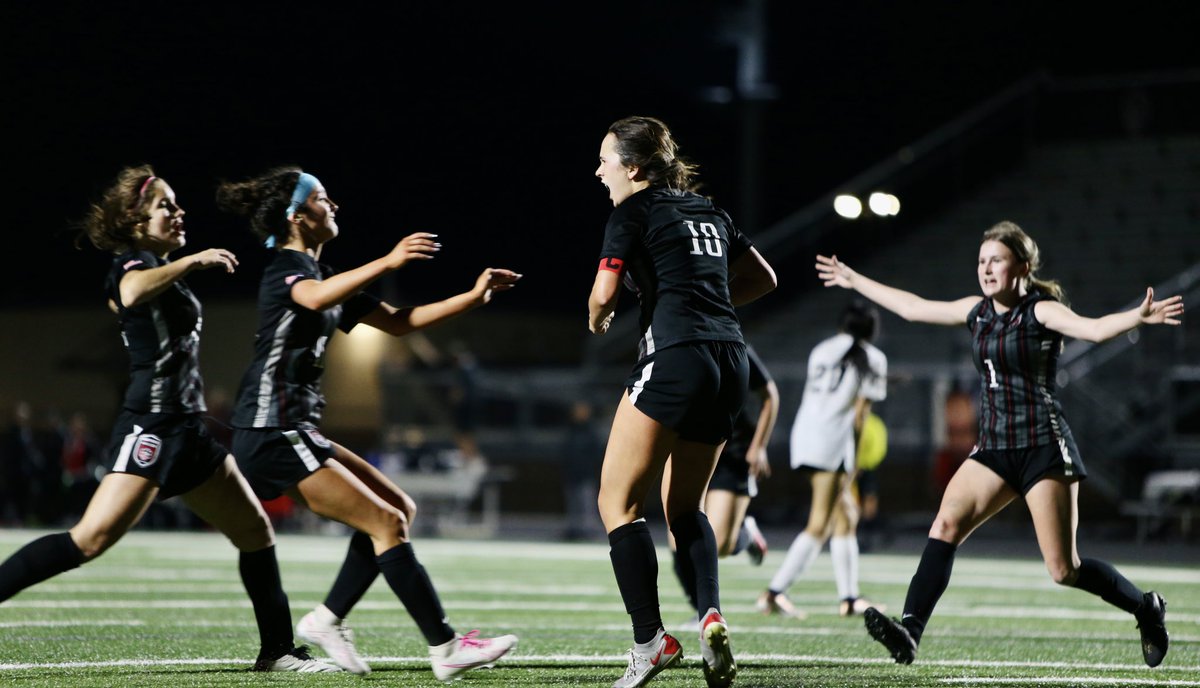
(823, 432)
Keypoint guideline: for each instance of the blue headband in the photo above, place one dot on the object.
(304, 188)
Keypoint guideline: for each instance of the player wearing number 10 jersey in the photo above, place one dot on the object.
(1024, 448)
(690, 267)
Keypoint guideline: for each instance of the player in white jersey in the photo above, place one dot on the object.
(846, 374)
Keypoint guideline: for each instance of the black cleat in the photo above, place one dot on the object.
(891, 634)
(1151, 621)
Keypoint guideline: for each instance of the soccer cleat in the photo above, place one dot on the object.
(1151, 618)
(719, 665)
(643, 667)
(891, 634)
(778, 603)
(466, 652)
(296, 659)
(855, 606)
(757, 549)
(326, 631)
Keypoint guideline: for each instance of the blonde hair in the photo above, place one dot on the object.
(1025, 250)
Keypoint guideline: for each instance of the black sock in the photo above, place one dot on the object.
(694, 539)
(359, 570)
(42, 558)
(743, 540)
(636, 567)
(260, 576)
(411, 584)
(686, 575)
(1104, 581)
(927, 585)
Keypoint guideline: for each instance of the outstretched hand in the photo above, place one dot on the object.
(213, 258)
(416, 246)
(833, 272)
(1165, 312)
(493, 280)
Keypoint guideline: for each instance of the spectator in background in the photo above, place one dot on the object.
(80, 463)
(582, 454)
(19, 459)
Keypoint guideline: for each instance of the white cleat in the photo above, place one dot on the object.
(297, 659)
(321, 628)
(719, 665)
(466, 652)
(665, 651)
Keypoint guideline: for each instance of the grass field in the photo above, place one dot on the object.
(168, 610)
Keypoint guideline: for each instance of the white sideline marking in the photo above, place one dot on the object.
(1083, 680)
(67, 624)
(622, 658)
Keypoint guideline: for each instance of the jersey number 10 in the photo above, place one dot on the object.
(712, 240)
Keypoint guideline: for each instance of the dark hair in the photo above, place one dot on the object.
(646, 142)
(1025, 250)
(111, 222)
(860, 320)
(264, 199)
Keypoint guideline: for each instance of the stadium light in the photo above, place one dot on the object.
(847, 206)
(883, 204)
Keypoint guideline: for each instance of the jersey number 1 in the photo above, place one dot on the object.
(992, 370)
(712, 240)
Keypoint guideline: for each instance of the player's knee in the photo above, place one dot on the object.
(946, 528)
(1062, 571)
(408, 507)
(94, 542)
(252, 534)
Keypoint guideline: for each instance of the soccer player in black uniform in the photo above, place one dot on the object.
(735, 480)
(279, 406)
(160, 446)
(690, 267)
(1025, 448)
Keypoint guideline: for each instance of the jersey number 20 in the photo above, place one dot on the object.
(712, 240)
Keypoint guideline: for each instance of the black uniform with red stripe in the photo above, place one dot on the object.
(279, 402)
(1023, 435)
(159, 434)
(674, 249)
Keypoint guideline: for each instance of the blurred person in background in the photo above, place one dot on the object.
(1024, 448)
(846, 375)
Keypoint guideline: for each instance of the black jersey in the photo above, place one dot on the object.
(745, 424)
(162, 336)
(1017, 359)
(282, 386)
(675, 248)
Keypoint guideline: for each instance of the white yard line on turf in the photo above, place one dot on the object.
(517, 659)
(1072, 681)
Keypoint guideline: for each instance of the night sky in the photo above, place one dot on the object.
(481, 121)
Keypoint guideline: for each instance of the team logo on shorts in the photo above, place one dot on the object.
(145, 450)
(317, 438)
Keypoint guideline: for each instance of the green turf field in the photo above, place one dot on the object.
(168, 610)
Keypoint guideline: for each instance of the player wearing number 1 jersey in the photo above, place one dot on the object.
(1025, 448)
(846, 374)
(689, 266)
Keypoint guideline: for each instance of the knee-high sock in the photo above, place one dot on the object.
(686, 575)
(411, 583)
(636, 566)
(359, 570)
(1101, 579)
(927, 585)
(40, 559)
(800, 556)
(695, 540)
(844, 552)
(260, 576)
